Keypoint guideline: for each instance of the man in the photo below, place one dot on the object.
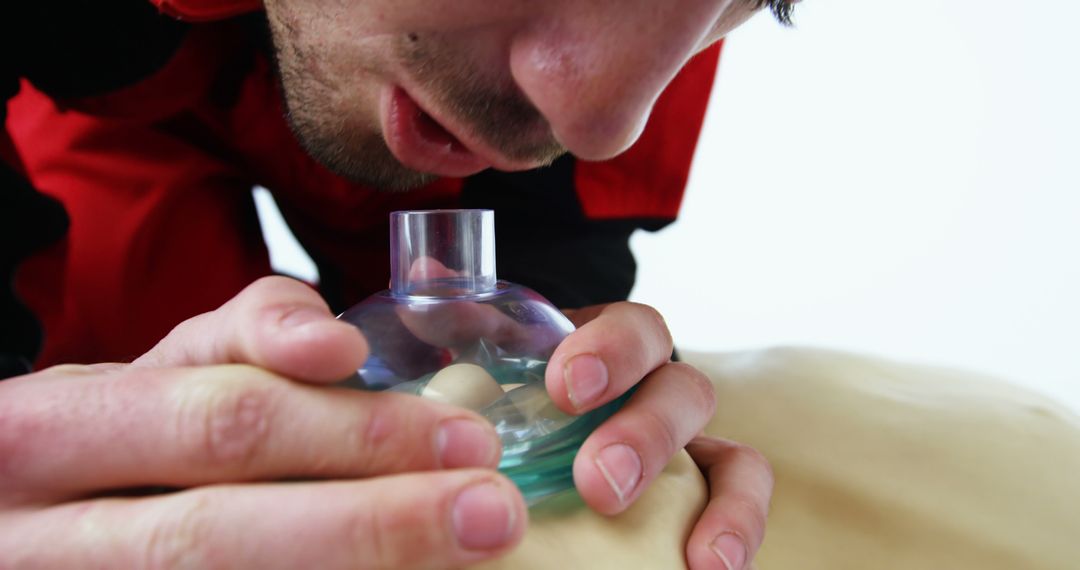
(145, 126)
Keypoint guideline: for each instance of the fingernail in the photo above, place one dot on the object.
(303, 315)
(731, 550)
(621, 467)
(586, 379)
(462, 442)
(483, 517)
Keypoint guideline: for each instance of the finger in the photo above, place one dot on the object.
(444, 519)
(607, 356)
(276, 323)
(194, 426)
(458, 325)
(629, 450)
(428, 271)
(732, 528)
(582, 315)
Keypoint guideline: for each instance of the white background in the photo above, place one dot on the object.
(899, 178)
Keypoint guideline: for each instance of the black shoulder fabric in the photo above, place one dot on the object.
(545, 241)
(68, 48)
(28, 221)
(76, 48)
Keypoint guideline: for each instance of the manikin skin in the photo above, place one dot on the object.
(878, 464)
(465, 385)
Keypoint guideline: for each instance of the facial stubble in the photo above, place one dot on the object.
(328, 126)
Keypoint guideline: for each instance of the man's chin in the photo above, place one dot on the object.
(370, 164)
(391, 177)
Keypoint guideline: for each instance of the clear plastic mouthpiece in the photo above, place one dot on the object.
(449, 331)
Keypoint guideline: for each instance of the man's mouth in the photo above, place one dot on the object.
(421, 143)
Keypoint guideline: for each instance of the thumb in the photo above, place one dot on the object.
(276, 323)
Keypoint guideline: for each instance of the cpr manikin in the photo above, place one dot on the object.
(878, 464)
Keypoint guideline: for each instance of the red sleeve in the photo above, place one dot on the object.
(29, 223)
(206, 10)
(648, 181)
(163, 225)
(157, 180)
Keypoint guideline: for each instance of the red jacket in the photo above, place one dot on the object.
(156, 179)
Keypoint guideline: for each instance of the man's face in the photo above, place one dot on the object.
(392, 93)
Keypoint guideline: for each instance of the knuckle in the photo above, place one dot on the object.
(268, 297)
(698, 382)
(749, 455)
(389, 536)
(182, 343)
(377, 429)
(368, 535)
(656, 427)
(275, 287)
(226, 422)
(69, 370)
(659, 322)
(746, 515)
(181, 538)
(189, 325)
(92, 523)
(267, 284)
(397, 433)
(193, 327)
(17, 439)
(24, 424)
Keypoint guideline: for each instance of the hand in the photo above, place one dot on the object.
(615, 348)
(81, 445)
(619, 346)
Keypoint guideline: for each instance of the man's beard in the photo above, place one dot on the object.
(496, 111)
(356, 154)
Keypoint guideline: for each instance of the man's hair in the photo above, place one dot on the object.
(780, 8)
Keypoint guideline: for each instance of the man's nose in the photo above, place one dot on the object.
(595, 69)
